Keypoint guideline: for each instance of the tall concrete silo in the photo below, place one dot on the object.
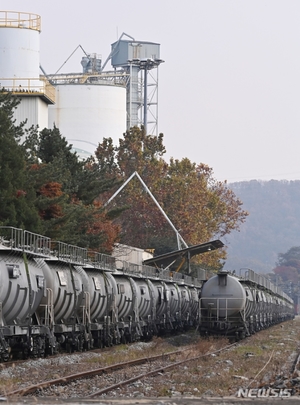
(20, 65)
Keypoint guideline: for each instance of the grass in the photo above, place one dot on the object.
(228, 371)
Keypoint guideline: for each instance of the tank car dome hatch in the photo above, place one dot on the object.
(223, 295)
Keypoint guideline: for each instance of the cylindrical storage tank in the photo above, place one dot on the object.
(125, 296)
(175, 300)
(194, 301)
(102, 287)
(223, 295)
(22, 287)
(67, 286)
(19, 50)
(250, 302)
(162, 298)
(87, 113)
(185, 301)
(144, 296)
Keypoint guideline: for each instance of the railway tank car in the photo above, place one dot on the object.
(55, 296)
(240, 306)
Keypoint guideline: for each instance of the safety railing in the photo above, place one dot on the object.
(261, 281)
(28, 86)
(29, 242)
(15, 19)
(25, 241)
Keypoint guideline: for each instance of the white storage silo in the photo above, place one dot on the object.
(87, 113)
(19, 48)
(20, 64)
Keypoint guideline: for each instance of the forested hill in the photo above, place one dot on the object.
(272, 227)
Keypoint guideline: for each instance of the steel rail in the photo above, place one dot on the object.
(157, 370)
(90, 373)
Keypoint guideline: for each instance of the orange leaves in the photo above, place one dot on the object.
(109, 232)
(51, 190)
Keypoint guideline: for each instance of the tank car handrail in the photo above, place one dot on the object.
(102, 261)
(22, 240)
(12, 237)
(25, 241)
(184, 279)
(70, 253)
(246, 272)
(262, 282)
(143, 270)
(36, 243)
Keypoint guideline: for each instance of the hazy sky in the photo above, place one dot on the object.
(229, 90)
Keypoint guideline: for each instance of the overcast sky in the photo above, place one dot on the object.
(229, 90)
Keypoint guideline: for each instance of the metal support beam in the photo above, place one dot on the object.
(180, 240)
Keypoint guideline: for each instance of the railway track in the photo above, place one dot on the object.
(158, 364)
(155, 371)
(205, 367)
(91, 373)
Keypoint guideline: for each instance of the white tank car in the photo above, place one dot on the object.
(223, 295)
(239, 306)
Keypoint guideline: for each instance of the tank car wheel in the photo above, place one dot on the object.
(87, 346)
(50, 351)
(68, 347)
(128, 338)
(123, 337)
(5, 350)
(25, 354)
(5, 355)
(242, 335)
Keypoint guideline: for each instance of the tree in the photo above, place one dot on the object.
(200, 207)
(287, 272)
(290, 259)
(17, 196)
(67, 192)
(45, 186)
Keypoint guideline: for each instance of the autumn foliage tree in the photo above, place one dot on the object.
(47, 189)
(196, 204)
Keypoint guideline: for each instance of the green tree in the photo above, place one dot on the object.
(17, 196)
(67, 191)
